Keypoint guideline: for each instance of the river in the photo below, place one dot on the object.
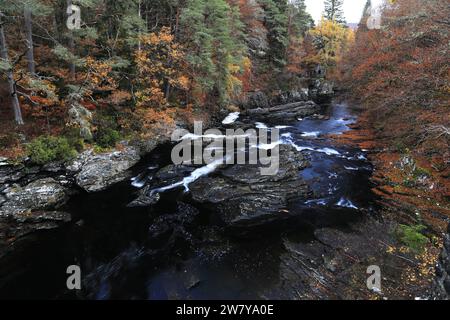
(195, 257)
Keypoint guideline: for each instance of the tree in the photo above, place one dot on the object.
(334, 11)
(7, 68)
(216, 49)
(300, 21)
(330, 41)
(159, 62)
(27, 8)
(276, 22)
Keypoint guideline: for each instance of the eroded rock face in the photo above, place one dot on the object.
(242, 196)
(285, 112)
(97, 172)
(39, 195)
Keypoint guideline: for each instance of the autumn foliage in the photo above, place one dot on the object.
(401, 73)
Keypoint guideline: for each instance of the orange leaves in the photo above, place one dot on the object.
(160, 64)
(100, 74)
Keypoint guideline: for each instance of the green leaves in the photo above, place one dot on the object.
(64, 54)
(37, 7)
(217, 44)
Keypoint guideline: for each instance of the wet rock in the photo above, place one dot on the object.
(333, 265)
(285, 112)
(24, 224)
(98, 172)
(38, 195)
(242, 196)
(43, 217)
(173, 173)
(174, 224)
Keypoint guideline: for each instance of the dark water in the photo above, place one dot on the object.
(196, 258)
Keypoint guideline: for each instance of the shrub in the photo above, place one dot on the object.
(49, 148)
(107, 138)
(74, 138)
(412, 237)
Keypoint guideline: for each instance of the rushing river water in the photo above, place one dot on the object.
(198, 260)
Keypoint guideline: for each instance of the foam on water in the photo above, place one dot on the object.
(195, 175)
(231, 118)
(346, 204)
(260, 125)
(311, 134)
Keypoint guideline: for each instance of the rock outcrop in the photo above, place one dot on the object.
(242, 196)
(97, 172)
(26, 209)
(38, 195)
(30, 195)
(322, 91)
(290, 111)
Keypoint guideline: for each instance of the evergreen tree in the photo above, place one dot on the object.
(27, 8)
(300, 21)
(276, 22)
(334, 11)
(210, 29)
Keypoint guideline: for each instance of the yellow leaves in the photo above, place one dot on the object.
(333, 40)
(160, 64)
(99, 74)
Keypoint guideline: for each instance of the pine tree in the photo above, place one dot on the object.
(215, 52)
(300, 20)
(276, 22)
(334, 11)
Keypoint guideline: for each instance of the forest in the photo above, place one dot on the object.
(91, 89)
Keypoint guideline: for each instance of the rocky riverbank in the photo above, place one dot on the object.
(411, 191)
(30, 196)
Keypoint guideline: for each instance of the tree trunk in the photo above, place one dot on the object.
(71, 47)
(29, 35)
(9, 75)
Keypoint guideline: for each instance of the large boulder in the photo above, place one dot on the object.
(43, 194)
(244, 197)
(97, 172)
